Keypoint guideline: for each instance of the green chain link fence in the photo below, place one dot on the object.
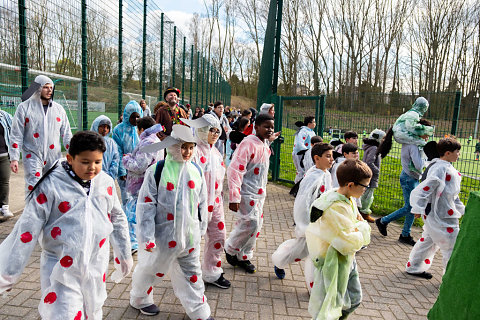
(101, 54)
(363, 113)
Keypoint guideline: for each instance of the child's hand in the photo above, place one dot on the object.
(149, 249)
(417, 215)
(234, 206)
(359, 217)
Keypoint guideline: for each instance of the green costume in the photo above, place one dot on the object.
(407, 129)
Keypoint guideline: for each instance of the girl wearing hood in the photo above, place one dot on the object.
(136, 163)
(373, 159)
(38, 124)
(126, 136)
(111, 159)
(207, 131)
(172, 216)
(302, 143)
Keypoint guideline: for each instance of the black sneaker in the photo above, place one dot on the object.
(134, 251)
(231, 259)
(407, 240)
(150, 310)
(247, 266)
(424, 275)
(221, 282)
(280, 273)
(382, 227)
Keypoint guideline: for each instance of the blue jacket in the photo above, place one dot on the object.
(125, 135)
(111, 158)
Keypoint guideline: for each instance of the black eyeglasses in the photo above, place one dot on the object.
(214, 131)
(358, 183)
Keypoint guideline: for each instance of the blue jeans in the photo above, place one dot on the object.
(408, 184)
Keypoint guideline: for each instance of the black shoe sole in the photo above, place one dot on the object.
(381, 227)
(423, 275)
(219, 285)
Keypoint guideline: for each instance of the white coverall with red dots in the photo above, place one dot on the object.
(247, 182)
(436, 199)
(73, 229)
(314, 184)
(37, 134)
(211, 161)
(171, 218)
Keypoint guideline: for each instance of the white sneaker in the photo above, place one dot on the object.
(6, 211)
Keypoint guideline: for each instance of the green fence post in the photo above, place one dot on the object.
(144, 48)
(207, 80)
(191, 77)
(160, 85)
(203, 79)
(212, 84)
(277, 143)
(174, 49)
(23, 44)
(183, 69)
(198, 77)
(120, 58)
(321, 116)
(84, 67)
(456, 113)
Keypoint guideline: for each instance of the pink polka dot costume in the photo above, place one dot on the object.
(171, 218)
(436, 199)
(75, 231)
(247, 184)
(313, 185)
(36, 134)
(211, 161)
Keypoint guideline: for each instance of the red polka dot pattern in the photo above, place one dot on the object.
(449, 230)
(193, 278)
(37, 174)
(170, 186)
(117, 261)
(296, 260)
(191, 184)
(172, 244)
(36, 135)
(450, 212)
(28, 156)
(256, 171)
(427, 261)
(79, 314)
(210, 208)
(26, 237)
(170, 216)
(244, 257)
(217, 245)
(241, 167)
(149, 245)
(426, 188)
(408, 264)
(322, 189)
(41, 198)
(15, 145)
(110, 191)
(219, 264)
(203, 159)
(160, 275)
(58, 119)
(147, 200)
(149, 290)
(191, 250)
(64, 206)
(221, 225)
(56, 231)
(50, 298)
(102, 242)
(422, 239)
(260, 191)
(252, 203)
(52, 146)
(66, 262)
(448, 177)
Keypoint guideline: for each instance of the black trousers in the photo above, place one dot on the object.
(4, 179)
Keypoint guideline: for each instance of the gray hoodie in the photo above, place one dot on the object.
(370, 157)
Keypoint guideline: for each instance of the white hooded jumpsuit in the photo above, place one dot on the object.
(315, 183)
(37, 134)
(171, 217)
(211, 161)
(302, 142)
(247, 184)
(111, 158)
(73, 229)
(436, 199)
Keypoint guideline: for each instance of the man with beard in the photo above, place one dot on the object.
(169, 115)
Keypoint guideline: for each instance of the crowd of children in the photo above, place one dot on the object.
(172, 195)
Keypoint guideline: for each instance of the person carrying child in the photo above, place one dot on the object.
(126, 136)
(373, 159)
(302, 143)
(74, 213)
(336, 233)
(247, 182)
(317, 180)
(172, 215)
(111, 159)
(207, 131)
(136, 163)
(412, 160)
(436, 201)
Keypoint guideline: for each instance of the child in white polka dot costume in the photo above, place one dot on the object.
(73, 211)
(317, 180)
(247, 182)
(436, 201)
(171, 218)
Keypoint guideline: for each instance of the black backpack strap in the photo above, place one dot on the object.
(158, 171)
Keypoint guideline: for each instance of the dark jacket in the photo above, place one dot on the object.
(373, 160)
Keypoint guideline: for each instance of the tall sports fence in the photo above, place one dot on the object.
(449, 112)
(101, 54)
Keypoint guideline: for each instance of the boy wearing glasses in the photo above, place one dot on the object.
(336, 232)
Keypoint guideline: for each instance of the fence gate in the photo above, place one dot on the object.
(290, 110)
